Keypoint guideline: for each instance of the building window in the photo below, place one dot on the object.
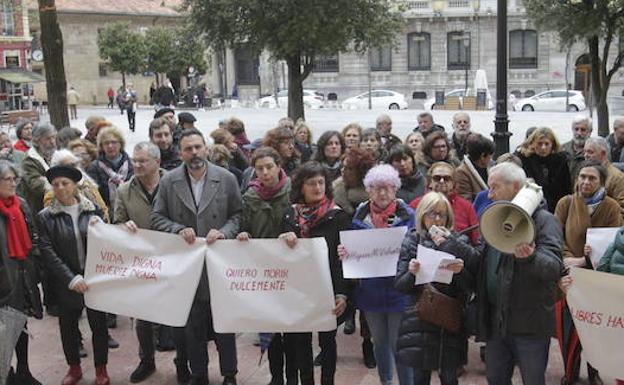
(247, 67)
(458, 47)
(380, 59)
(419, 51)
(8, 27)
(103, 70)
(325, 63)
(523, 49)
(11, 61)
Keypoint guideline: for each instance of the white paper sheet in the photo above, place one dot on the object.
(372, 253)
(431, 266)
(599, 238)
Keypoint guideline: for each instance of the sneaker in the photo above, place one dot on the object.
(112, 343)
(349, 326)
(142, 372)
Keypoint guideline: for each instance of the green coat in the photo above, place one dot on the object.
(613, 259)
(132, 204)
(263, 219)
(34, 183)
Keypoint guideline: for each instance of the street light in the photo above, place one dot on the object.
(466, 40)
(501, 132)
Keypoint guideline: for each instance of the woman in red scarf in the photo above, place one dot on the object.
(314, 214)
(18, 284)
(264, 204)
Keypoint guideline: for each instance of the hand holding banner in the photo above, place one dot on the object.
(595, 302)
(262, 285)
(373, 252)
(599, 238)
(432, 263)
(139, 275)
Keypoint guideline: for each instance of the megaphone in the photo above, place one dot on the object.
(504, 224)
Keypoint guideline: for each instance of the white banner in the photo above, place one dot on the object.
(595, 301)
(264, 286)
(373, 252)
(432, 266)
(599, 238)
(150, 275)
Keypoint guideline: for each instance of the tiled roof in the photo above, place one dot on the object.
(132, 7)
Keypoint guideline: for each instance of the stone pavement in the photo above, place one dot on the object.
(48, 363)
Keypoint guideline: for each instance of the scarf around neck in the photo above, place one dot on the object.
(381, 216)
(267, 193)
(18, 238)
(114, 178)
(593, 201)
(308, 216)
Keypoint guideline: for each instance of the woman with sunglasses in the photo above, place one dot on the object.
(441, 178)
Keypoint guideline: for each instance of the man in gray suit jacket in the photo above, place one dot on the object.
(199, 199)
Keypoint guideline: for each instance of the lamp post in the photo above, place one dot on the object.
(466, 41)
(501, 132)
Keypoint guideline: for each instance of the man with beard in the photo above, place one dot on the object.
(160, 135)
(199, 199)
(36, 163)
(461, 130)
(581, 130)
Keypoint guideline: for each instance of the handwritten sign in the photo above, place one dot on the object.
(262, 285)
(372, 253)
(139, 275)
(595, 301)
(599, 238)
(432, 263)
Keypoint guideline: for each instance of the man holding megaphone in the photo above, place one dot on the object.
(518, 276)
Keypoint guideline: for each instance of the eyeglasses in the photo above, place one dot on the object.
(10, 179)
(463, 121)
(110, 143)
(436, 214)
(440, 178)
(386, 189)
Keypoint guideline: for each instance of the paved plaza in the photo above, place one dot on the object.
(47, 361)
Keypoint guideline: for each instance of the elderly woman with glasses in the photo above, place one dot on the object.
(423, 345)
(18, 277)
(437, 148)
(441, 178)
(382, 304)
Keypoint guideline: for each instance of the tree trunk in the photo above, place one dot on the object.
(52, 46)
(598, 86)
(123, 80)
(295, 88)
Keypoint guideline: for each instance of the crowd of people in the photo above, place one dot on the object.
(286, 185)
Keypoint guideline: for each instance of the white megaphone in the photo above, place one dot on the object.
(504, 224)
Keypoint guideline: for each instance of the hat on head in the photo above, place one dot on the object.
(63, 171)
(163, 111)
(253, 145)
(186, 117)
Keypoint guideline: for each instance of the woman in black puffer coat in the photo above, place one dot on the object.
(423, 345)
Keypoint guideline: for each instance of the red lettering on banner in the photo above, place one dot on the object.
(276, 273)
(144, 274)
(111, 270)
(147, 263)
(615, 322)
(241, 273)
(590, 317)
(109, 256)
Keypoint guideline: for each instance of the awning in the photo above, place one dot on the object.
(21, 76)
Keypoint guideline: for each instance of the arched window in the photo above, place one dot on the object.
(523, 48)
(419, 51)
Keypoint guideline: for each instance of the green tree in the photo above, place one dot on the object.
(598, 23)
(123, 48)
(297, 31)
(174, 50)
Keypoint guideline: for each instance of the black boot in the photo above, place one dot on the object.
(183, 374)
(593, 376)
(143, 371)
(318, 360)
(369, 355)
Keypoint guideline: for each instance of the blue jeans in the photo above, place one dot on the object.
(531, 354)
(384, 329)
(448, 376)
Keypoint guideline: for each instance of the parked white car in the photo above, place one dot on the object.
(311, 99)
(554, 100)
(461, 92)
(379, 99)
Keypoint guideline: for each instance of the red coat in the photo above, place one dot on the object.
(465, 215)
(21, 146)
